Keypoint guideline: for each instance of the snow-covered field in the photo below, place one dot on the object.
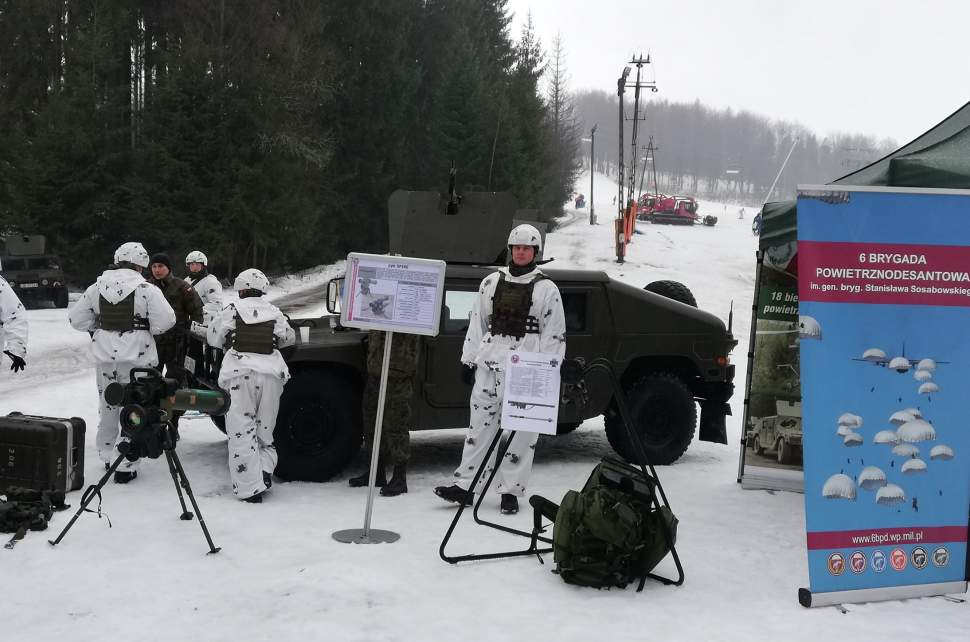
(280, 575)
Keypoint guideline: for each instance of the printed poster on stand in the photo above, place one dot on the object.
(884, 280)
(531, 401)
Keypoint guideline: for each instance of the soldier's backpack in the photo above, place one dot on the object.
(23, 509)
(613, 531)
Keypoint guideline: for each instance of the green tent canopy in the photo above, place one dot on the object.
(938, 158)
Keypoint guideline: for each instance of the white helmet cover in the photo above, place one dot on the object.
(196, 256)
(525, 235)
(133, 253)
(251, 279)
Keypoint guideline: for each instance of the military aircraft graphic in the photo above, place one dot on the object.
(901, 364)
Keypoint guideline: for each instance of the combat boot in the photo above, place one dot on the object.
(455, 494)
(510, 504)
(255, 499)
(398, 483)
(363, 478)
(123, 476)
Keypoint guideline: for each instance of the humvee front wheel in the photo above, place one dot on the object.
(664, 415)
(672, 290)
(757, 447)
(61, 298)
(318, 429)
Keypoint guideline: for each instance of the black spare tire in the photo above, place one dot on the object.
(672, 290)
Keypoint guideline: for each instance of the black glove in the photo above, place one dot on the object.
(16, 363)
(468, 374)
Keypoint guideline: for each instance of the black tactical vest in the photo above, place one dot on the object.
(510, 308)
(120, 316)
(254, 337)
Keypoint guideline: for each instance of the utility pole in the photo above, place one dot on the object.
(621, 224)
(649, 149)
(592, 170)
(620, 90)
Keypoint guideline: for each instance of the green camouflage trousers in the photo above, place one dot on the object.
(395, 439)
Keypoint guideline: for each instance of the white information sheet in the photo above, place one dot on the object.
(396, 293)
(531, 392)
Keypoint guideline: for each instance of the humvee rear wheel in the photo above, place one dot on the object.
(784, 452)
(664, 415)
(672, 290)
(318, 429)
(757, 447)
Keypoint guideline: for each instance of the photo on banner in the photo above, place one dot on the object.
(884, 282)
(771, 453)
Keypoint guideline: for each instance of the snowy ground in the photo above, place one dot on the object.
(281, 574)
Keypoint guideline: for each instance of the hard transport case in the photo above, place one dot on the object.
(45, 453)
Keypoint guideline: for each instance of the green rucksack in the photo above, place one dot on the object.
(610, 533)
(23, 509)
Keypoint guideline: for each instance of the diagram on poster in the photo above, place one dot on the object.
(531, 401)
(395, 293)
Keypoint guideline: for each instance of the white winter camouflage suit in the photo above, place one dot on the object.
(13, 322)
(488, 353)
(116, 353)
(255, 383)
(210, 291)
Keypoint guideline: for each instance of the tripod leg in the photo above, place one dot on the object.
(186, 515)
(188, 491)
(89, 494)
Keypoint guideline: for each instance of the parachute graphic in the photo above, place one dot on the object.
(890, 495)
(916, 430)
(941, 452)
(839, 486)
(872, 478)
(886, 437)
(906, 450)
(914, 466)
(852, 439)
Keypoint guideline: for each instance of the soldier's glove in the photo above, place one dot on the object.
(16, 363)
(468, 374)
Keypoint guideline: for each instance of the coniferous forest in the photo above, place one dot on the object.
(270, 134)
(267, 134)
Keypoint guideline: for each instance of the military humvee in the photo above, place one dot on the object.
(668, 355)
(34, 275)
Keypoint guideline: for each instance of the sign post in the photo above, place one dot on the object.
(393, 294)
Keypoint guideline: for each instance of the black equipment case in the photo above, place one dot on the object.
(44, 453)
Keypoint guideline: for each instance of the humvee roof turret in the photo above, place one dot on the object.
(668, 355)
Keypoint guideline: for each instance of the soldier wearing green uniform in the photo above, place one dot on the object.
(395, 447)
(187, 304)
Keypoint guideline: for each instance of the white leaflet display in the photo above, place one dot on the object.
(392, 293)
(531, 400)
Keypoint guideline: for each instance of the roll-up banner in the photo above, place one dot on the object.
(884, 286)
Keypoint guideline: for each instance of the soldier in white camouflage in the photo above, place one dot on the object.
(395, 447)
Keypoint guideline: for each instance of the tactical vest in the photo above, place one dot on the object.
(510, 308)
(120, 316)
(254, 337)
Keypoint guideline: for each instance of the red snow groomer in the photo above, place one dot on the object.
(660, 208)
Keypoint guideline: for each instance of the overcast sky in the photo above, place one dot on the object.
(888, 69)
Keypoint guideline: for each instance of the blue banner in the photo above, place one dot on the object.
(884, 304)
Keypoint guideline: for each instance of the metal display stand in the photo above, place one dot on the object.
(573, 372)
(367, 535)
